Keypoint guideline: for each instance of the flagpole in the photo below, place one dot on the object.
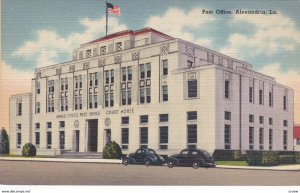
(106, 17)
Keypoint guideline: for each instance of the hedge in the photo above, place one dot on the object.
(262, 158)
(228, 155)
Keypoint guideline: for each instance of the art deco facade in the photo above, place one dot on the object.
(146, 89)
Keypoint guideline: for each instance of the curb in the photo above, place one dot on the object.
(110, 161)
(260, 168)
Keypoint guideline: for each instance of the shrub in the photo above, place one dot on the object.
(4, 143)
(29, 150)
(112, 150)
(262, 158)
(297, 157)
(228, 155)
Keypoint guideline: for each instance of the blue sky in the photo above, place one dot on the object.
(24, 21)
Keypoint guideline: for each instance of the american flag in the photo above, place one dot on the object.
(113, 9)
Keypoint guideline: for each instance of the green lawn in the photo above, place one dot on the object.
(232, 163)
(20, 156)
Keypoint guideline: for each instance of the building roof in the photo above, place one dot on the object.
(127, 32)
(296, 131)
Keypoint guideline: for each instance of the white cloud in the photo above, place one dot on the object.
(289, 78)
(48, 45)
(272, 33)
(177, 23)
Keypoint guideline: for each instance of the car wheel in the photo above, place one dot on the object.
(195, 164)
(125, 162)
(170, 164)
(147, 163)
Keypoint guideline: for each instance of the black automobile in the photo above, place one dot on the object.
(191, 157)
(144, 156)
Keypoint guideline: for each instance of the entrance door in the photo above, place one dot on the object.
(76, 141)
(107, 136)
(61, 140)
(92, 135)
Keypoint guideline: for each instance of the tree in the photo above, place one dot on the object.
(4, 143)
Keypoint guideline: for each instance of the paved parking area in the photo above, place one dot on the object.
(58, 173)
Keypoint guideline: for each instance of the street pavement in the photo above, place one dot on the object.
(67, 173)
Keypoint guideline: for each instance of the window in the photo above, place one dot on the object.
(89, 53)
(192, 115)
(285, 100)
(261, 93)
(144, 137)
(112, 76)
(95, 101)
(106, 100)
(61, 124)
(270, 139)
(148, 66)
(285, 139)
(227, 87)
(96, 78)
(261, 120)
(163, 118)
(111, 99)
(192, 134)
(38, 108)
(192, 88)
(125, 138)
(251, 138)
(19, 109)
(37, 138)
(227, 115)
(38, 88)
(227, 137)
(106, 77)
(261, 138)
(165, 67)
(129, 71)
(49, 139)
(142, 71)
(144, 119)
(251, 90)
(90, 101)
(19, 126)
(119, 46)
(189, 64)
(129, 97)
(270, 121)
(142, 96)
(103, 50)
(163, 137)
(165, 93)
(125, 120)
(285, 123)
(37, 125)
(19, 140)
(124, 74)
(49, 125)
(148, 95)
(251, 118)
(271, 98)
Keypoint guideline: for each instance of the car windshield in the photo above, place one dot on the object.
(151, 152)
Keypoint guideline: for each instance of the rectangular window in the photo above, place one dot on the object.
(261, 97)
(119, 46)
(285, 138)
(111, 99)
(37, 125)
(38, 88)
(261, 138)
(144, 119)
(80, 81)
(124, 74)
(49, 139)
(19, 140)
(19, 126)
(189, 64)
(144, 137)
(227, 89)
(192, 88)
(125, 120)
(270, 99)
(270, 121)
(19, 109)
(37, 138)
(95, 101)
(112, 76)
(90, 101)
(80, 103)
(284, 103)
(148, 95)
(142, 96)
(129, 97)
(88, 53)
(106, 76)
(49, 125)
(61, 124)
(148, 66)
(96, 78)
(251, 118)
(163, 118)
(103, 50)
(165, 93)
(192, 134)
(142, 71)
(106, 100)
(261, 120)
(62, 84)
(38, 107)
(285, 123)
(270, 139)
(251, 90)
(163, 137)
(165, 67)
(251, 138)
(227, 137)
(129, 71)
(227, 115)
(125, 138)
(91, 79)
(192, 115)
(123, 97)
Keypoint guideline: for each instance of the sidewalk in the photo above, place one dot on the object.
(295, 167)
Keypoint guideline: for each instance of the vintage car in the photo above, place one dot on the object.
(143, 156)
(191, 157)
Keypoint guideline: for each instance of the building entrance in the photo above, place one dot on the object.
(92, 135)
(76, 140)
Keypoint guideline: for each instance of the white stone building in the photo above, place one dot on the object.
(145, 88)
